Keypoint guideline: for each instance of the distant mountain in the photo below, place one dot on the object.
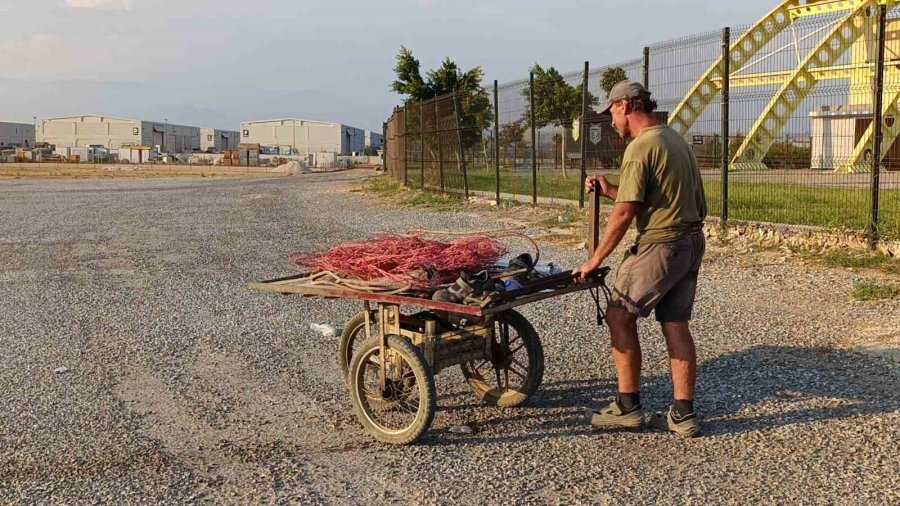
(215, 106)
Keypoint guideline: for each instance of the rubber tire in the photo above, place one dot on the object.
(511, 398)
(357, 323)
(424, 381)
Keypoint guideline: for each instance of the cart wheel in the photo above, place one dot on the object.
(517, 367)
(352, 337)
(404, 409)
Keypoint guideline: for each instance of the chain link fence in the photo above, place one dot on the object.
(793, 120)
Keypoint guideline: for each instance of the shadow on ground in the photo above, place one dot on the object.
(761, 388)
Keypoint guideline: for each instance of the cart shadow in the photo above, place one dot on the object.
(761, 388)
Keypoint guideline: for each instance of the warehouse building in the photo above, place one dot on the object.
(16, 135)
(374, 142)
(115, 133)
(302, 137)
(213, 140)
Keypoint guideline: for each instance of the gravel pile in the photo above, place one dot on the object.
(138, 369)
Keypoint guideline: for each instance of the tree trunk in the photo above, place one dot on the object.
(515, 154)
(563, 144)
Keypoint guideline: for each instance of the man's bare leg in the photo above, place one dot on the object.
(681, 417)
(683, 358)
(625, 411)
(626, 348)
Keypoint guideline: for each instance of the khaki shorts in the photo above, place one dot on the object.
(661, 277)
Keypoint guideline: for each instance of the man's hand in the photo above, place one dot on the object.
(602, 185)
(586, 270)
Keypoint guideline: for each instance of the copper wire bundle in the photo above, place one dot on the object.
(405, 261)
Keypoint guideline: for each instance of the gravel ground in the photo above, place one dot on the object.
(181, 386)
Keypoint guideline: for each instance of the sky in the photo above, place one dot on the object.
(215, 63)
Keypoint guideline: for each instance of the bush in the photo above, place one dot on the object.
(786, 156)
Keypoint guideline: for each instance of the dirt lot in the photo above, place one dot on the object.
(125, 171)
(138, 368)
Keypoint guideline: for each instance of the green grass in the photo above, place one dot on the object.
(385, 186)
(564, 219)
(854, 260)
(875, 291)
(792, 204)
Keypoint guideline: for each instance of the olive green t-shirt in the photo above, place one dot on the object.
(660, 171)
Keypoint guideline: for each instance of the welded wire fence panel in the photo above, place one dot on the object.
(605, 146)
(801, 127)
(395, 144)
(889, 187)
(515, 141)
(685, 77)
(796, 123)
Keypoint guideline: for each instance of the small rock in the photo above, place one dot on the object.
(324, 329)
(60, 370)
(461, 429)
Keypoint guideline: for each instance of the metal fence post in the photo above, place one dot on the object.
(384, 158)
(406, 144)
(646, 67)
(726, 109)
(533, 141)
(438, 131)
(462, 151)
(497, 141)
(421, 146)
(583, 129)
(877, 123)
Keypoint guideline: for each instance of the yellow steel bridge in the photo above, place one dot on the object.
(853, 29)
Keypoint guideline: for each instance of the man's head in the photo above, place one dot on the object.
(630, 105)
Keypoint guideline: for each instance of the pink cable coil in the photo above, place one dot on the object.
(422, 264)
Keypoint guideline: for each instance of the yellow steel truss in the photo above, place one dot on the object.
(819, 8)
(802, 80)
(860, 160)
(701, 94)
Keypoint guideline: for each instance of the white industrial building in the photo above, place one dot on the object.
(16, 135)
(303, 137)
(374, 142)
(213, 140)
(115, 133)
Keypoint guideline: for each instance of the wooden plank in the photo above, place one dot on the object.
(295, 285)
(286, 286)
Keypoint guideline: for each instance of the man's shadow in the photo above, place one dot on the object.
(760, 388)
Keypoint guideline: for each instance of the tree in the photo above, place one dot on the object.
(409, 77)
(611, 77)
(511, 134)
(557, 103)
(471, 104)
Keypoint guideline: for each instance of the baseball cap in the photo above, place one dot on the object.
(623, 90)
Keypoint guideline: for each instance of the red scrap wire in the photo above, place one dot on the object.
(406, 260)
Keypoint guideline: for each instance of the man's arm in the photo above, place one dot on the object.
(619, 220)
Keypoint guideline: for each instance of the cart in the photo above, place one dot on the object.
(389, 357)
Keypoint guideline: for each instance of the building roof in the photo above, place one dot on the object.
(330, 123)
(91, 116)
(132, 120)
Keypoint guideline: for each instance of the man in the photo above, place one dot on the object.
(660, 188)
